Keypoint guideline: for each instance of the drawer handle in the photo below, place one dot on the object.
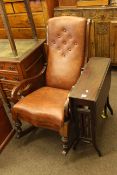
(16, 79)
(11, 68)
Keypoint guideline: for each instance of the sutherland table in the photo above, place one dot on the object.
(89, 97)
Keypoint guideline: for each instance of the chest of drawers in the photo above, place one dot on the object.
(28, 63)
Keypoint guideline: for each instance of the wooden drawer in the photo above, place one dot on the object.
(11, 67)
(92, 2)
(8, 66)
(20, 8)
(8, 86)
(23, 33)
(67, 3)
(9, 8)
(11, 77)
(21, 20)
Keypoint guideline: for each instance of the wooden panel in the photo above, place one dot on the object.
(9, 8)
(103, 36)
(102, 46)
(92, 40)
(12, 0)
(92, 2)
(35, 68)
(67, 3)
(23, 33)
(45, 10)
(37, 54)
(22, 21)
(51, 4)
(10, 76)
(19, 7)
(8, 86)
(113, 41)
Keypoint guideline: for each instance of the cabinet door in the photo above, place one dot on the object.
(113, 41)
(102, 45)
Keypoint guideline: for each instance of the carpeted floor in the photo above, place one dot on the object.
(39, 153)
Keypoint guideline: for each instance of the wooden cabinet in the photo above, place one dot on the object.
(6, 130)
(67, 3)
(103, 37)
(92, 2)
(113, 41)
(41, 10)
(28, 63)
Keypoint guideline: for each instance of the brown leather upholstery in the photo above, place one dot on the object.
(66, 40)
(47, 106)
(44, 107)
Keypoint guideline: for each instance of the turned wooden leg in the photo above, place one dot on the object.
(18, 125)
(65, 145)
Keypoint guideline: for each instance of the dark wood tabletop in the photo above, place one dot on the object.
(89, 84)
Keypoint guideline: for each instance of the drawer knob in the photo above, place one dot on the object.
(11, 68)
(16, 79)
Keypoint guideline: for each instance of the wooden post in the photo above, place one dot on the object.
(7, 27)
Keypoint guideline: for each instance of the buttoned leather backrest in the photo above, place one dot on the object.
(66, 44)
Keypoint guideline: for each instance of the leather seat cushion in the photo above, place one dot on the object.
(43, 107)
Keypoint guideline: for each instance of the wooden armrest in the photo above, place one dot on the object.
(28, 85)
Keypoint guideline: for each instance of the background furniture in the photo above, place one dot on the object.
(82, 2)
(92, 2)
(16, 12)
(47, 106)
(88, 98)
(6, 130)
(67, 3)
(13, 69)
(103, 38)
(24, 57)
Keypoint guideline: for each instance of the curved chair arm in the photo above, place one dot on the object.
(28, 85)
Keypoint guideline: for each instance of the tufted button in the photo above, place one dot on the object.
(76, 43)
(64, 30)
(69, 49)
(64, 42)
(58, 36)
(63, 54)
